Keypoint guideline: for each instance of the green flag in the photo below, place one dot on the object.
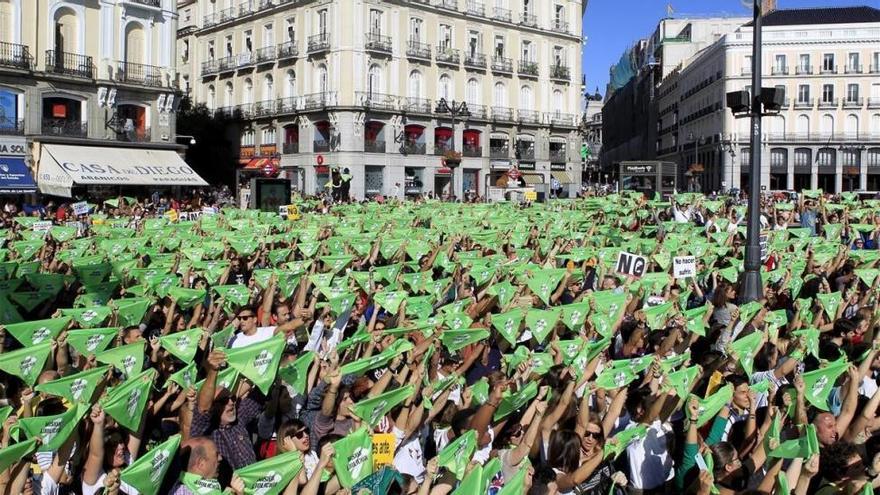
(818, 383)
(504, 291)
(130, 312)
(711, 405)
(614, 377)
(125, 402)
(618, 443)
(185, 377)
(657, 316)
(297, 372)
(390, 300)
(830, 303)
(363, 365)
(258, 362)
(238, 295)
(508, 324)
(517, 484)
(186, 298)
(19, 452)
(53, 431)
(867, 275)
(88, 317)
(803, 447)
(514, 401)
(574, 315)
(542, 322)
(473, 482)
(26, 363)
(456, 456)
(30, 333)
(544, 282)
(147, 472)
(127, 359)
(354, 457)
(681, 380)
(271, 476)
(372, 410)
(457, 339)
(182, 345)
(79, 387)
(746, 348)
(90, 341)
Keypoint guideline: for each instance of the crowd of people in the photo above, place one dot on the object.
(184, 346)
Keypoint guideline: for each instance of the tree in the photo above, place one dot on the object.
(214, 154)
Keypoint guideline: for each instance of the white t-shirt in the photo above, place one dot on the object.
(124, 487)
(261, 335)
(650, 464)
(310, 461)
(408, 456)
(775, 383)
(868, 387)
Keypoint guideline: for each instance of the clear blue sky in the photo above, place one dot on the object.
(613, 25)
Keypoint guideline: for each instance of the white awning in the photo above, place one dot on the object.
(63, 166)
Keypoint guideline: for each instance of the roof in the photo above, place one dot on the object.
(821, 15)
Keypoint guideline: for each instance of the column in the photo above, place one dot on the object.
(814, 168)
(863, 170)
(838, 172)
(765, 167)
(790, 167)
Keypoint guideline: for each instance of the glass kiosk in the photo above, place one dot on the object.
(649, 177)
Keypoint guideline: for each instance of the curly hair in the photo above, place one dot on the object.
(834, 460)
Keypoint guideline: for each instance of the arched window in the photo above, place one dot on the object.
(248, 91)
(473, 92)
(290, 85)
(268, 137)
(826, 157)
(852, 125)
(230, 95)
(135, 44)
(6, 21)
(525, 98)
(212, 97)
(500, 95)
(374, 80)
(875, 123)
(66, 31)
(444, 87)
(827, 125)
(321, 79)
(777, 125)
(268, 87)
(558, 102)
(415, 84)
(803, 125)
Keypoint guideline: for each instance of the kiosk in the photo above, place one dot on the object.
(649, 177)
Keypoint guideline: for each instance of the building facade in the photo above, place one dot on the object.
(87, 73)
(356, 85)
(828, 133)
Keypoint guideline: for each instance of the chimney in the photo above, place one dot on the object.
(768, 6)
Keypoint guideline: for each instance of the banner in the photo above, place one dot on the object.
(147, 472)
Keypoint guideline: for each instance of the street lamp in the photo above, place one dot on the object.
(697, 142)
(454, 109)
(764, 102)
(728, 147)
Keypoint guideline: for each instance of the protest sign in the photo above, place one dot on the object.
(684, 267)
(631, 264)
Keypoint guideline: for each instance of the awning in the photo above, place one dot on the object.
(63, 166)
(562, 177)
(532, 179)
(15, 177)
(260, 163)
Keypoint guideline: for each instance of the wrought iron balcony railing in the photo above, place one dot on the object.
(70, 64)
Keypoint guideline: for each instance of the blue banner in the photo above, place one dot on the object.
(15, 177)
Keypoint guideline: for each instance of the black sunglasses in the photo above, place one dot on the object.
(593, 434)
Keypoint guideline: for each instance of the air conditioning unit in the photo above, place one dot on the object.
(165, 137)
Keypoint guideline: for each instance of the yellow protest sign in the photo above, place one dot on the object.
(383, 450)
(292, 212)
(531, 196)
(171, 215)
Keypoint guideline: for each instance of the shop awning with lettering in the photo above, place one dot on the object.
(15, 177)
(562, 177)
(64, 166)
(532, 179)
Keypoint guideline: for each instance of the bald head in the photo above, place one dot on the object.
(203, 458)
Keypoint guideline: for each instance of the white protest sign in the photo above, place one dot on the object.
(684, 267)
(282, 210)
(208, 210)
(81, 208)
(631, 264)
(42, 226)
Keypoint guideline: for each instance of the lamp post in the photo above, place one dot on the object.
(454, 109)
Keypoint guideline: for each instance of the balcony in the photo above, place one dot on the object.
(803, 70)
(70, 64)
(500, 14)
(148, 3)
(874, 102)
(475, 8)
(475, 60)
(472, 151)
(418, 50)
(525, 153)
(134, 136)
(376, 101)
(560, 72)
(853, 69)
(779, 71)
(9, 127)
(287, 50)
(853, 103)
(558, 156)
(829, 103)
(377, 43)
(321, 146)
(527, 19)
(442, 147)
(413, 149)
(499, 152)
(290, 148)
(448, 4)
(318, 101)
(828, 70)
(417, 105)
(448, 56)
(245, 60)
(319, 43)
(227, 64)
(245, 8)
(527, 68)
(63, 127)
(268, 4)
(244, 111)
(746, 71)
(559, 27)
(209, 20)
(808, 103)
(144, 75)
(502, 114)
(15, 56)
(265, 55)
(286, 105)
(210, 67)
(478, 112)
(265, 108)
(374, 146)
(875, 69)
(529, 117)
(226, 15)
(502, 64)
(563, 119)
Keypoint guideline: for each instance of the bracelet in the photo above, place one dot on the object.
(493, 404)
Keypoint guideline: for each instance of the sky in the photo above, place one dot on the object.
(610, 26)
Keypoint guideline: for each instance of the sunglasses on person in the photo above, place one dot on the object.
(300, 434)
(245, 317)
(593, 434)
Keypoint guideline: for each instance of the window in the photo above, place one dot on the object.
(322, 21)
(474, 43)
(373, 178)
(473, 92)
(290, 85)
(802, 125)
(211, 50)
(527, 7)
(445, 36)
(321, 75)
(375, 22)
(212, 94)
(850, 158)
(558, 102)
(826, 157)
(247, 138)
(853, 61)
(804, 93)
(415, 84)
(525, 98)
(851, 126)
(527, 51)
(415, 30)
(268, 137)
(248, 91)
(184, 51)
(558, 56)
(499, 46)
(291, 30)
(268, 35)
(186, 87)
(444, 87)
(828, 62)
(374, 80)
(828, 93)
(852, 93)
(804, 63)
(268, 87)
(249, 41)
(747, 64)
(559, 15)
(229, 46)
(230, 99)
(874, 157)
(779, 158)
(780, 63)
(826, 125)
(803, 157)
(500, 95)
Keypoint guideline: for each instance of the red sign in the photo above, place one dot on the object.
(322, 170)
(320, 160)
(443, 171)
(270, 169)
(514, 173)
